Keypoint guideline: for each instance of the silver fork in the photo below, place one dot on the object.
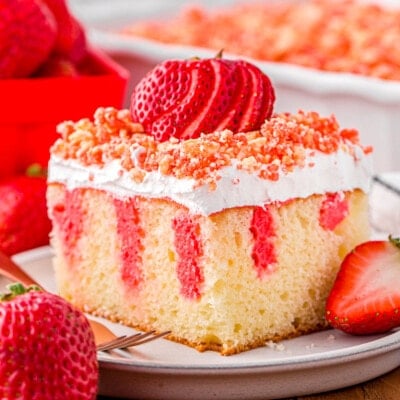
(123, 342)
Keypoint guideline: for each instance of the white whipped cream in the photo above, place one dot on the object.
(335, 172)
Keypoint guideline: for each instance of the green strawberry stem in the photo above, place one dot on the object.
(220, 54)
(16, 289)
(36, 170)
(394, 241)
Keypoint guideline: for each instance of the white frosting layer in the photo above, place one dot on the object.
(330, 173)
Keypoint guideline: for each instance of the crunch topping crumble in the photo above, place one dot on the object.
(338, 36)
(283, 143)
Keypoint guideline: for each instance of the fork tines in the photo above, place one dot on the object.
(123, 342)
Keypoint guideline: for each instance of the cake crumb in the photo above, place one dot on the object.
(331, 338)
(310, 346)
(275, 346)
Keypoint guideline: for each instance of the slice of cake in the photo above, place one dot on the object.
(200, 212)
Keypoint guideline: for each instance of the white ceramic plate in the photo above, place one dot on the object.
(165, 370)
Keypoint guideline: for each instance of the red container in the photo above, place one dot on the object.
(30, 109)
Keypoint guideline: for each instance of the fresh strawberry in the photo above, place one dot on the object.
(47, 348)
(184, 98)
(365, 297)
(238, 102)
(24, 223)
(27, 35)
(219, 98)
(71, 38)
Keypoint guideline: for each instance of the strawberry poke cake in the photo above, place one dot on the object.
(201, 212)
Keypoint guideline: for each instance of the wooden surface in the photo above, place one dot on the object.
(386, 387)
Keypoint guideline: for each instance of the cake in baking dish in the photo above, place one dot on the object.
(351, 36)
(202, 212)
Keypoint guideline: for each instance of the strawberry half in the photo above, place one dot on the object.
(47, 348)
(185, 98)
(365, 298)
(27, 35)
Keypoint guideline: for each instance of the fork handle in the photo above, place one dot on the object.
(12, 271)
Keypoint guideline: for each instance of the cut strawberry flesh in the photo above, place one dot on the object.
(252, 113)
(366, 295)
(238, 102)
(269, 99)
(206, 119)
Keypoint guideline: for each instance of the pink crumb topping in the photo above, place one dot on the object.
(333, 211)
(189, 249)
(68, 218)
(360, 37)
(263, 231)
(280, 144)
(130, 234)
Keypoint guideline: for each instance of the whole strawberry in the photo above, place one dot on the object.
(365, 298)
(71, 37)
(24, 223)
(27, 35)
(184, 98)
(47, 348)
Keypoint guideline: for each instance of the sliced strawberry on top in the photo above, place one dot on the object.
(269, 99)
(365, 297)
(259, 102)
(206, 119)
(175, 121)
(234, 114)
(159, 91)
(183, 99)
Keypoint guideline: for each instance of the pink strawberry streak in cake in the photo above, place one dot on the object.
(129, 233)
(263, 252)
(189, 250)
(68, 219)
(334, 210)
